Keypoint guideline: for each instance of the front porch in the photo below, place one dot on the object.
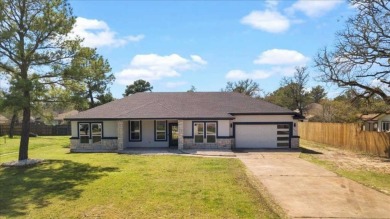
(170, 134)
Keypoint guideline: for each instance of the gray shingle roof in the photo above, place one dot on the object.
(181, 105)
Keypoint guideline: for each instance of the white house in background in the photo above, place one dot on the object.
(184, 120)
(376, 122)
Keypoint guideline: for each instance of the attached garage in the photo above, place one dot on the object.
(262, 135)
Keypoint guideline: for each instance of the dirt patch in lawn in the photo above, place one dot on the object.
(347, 160)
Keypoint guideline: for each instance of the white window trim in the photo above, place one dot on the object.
(140, 131)
(101, 131)
(159, 131)
(81, 134)
(215, 134)
(199, 134)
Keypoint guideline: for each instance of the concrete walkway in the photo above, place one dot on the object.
(305, 190)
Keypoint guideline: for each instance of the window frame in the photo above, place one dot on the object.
(140, 131)
(159, 131)
(386, 123)
(215, 132)
(203, 132)
(205, 135)
(88, 134)
(101, 132)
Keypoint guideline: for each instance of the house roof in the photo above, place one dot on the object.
(181, 105)
(373, 116)
(3, 119)
(61, 116)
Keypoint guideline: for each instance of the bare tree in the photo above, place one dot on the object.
(361, 56)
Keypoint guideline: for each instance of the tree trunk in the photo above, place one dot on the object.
(92, 102)
(23, 149)
(12, 126)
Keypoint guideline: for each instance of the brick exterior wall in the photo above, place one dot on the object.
(181, 139)
(105, 145)
(222, 143)
(120, 135)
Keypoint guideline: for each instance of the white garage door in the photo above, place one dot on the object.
(261, 136)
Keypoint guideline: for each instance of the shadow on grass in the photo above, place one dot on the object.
(308, 151)
(23, 188)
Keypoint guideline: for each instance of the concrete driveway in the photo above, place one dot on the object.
(305, 190)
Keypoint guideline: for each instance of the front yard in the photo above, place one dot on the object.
(124, 186)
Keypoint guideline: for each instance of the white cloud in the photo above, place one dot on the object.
(381, 85)
(271, 4)
(268, 20)
(175, 84)
(151, 67)
(136, 38)
(97, 33)
(198, 59)
(281, 57)
(314, 8)
(240, 75)
(287, 71)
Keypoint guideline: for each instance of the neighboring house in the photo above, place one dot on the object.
(4, 120)
(376, 122)
(184, 120)
(59, 119)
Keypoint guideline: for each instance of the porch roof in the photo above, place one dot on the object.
(181, 105)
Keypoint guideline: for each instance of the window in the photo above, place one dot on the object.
(283, 126)
(198, 132)
(135, 130)
(161, 130)
(84, 132)
(211, 132)
(385, 126)
(96, 132)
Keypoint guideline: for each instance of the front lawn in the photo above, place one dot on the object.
(103, 185)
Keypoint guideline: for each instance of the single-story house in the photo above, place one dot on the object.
(59, 118)
(379, 122)
(184, 120)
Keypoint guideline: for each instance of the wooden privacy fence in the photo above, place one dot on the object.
(40, 129)
(346, 136)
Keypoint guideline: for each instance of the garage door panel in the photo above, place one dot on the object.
(256, 136)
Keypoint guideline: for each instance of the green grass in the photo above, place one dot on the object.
(375, 180)
(11, 145)
(75, 185)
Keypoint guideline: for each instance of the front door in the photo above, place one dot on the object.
(173, 134)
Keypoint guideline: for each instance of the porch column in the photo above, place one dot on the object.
(180, 127)
(120, 135)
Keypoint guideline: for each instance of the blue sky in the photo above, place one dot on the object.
(176, 44)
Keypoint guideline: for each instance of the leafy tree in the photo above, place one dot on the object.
(337, 111)
(104, 98)
(137, 86)
(247, 87)
(373, 104)
(33, 39)
(91, 70)
(281, 97)
(10, 105)
(192, 89)
(317, 93)
(296, 88)
(361, 57)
